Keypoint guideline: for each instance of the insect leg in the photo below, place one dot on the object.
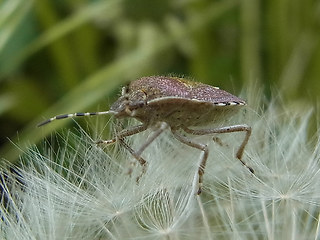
(137, 157)
(163, 126)
(133, 153)
(228, 129)
(219, 142)
(124, 133)
(137, 154)
(199, 146)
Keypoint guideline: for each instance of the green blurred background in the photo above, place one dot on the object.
(59, 56)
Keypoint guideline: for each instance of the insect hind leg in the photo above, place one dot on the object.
(228, 129)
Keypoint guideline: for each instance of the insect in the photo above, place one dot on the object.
(176, 104)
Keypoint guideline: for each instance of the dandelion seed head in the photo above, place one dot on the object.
(70, 188)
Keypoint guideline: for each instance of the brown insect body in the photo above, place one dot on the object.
(176, 101)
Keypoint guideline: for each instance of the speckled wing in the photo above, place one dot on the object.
(159, 88)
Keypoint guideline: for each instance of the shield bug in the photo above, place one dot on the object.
(176, 104)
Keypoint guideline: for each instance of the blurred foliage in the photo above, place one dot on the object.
(71, 56)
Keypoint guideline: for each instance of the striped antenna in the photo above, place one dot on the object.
(70, 115)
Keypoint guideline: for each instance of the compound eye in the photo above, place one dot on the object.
(141, 104)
